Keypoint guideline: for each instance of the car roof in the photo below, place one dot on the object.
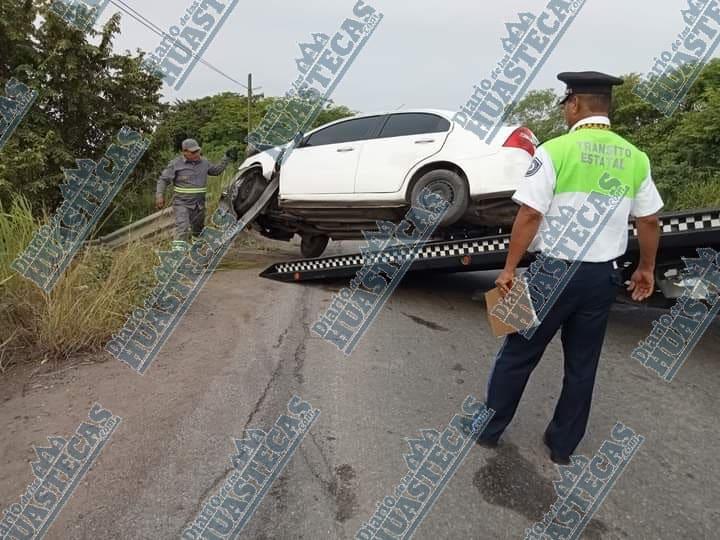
(445, 113)
(441, 112)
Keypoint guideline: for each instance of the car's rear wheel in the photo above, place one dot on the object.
(249, 192)
(312, 245)
(450, 186)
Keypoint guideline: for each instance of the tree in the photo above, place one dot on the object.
(220, 121)
(539, 111)
(86, 94)
(683, 148)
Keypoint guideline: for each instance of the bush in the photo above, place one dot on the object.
(701, 194)
(89, 303)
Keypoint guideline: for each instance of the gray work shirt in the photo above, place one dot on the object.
(189, 174)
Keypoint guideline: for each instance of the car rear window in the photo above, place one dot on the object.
(400, 125)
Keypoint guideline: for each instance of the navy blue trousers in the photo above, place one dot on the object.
(581, 311)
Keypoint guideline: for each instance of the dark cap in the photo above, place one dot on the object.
(588, 82)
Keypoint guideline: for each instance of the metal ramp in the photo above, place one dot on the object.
(682, 233)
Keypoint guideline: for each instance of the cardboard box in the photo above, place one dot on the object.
(513, 313)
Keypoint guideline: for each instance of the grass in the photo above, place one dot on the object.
(216, 185)
(90, 301)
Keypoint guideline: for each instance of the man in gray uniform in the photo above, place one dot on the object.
(188, 174)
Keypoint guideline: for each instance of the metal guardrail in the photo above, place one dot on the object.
(147, 227)
(154, 224)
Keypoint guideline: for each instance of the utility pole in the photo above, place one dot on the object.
(250, 98)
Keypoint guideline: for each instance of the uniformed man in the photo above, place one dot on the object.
(564, 173)
(188, 174)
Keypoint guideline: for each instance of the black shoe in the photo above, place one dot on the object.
(487, 443)
(558, 460)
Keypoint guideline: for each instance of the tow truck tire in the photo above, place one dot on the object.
(250, 191)
(312, 246)
(448, 184)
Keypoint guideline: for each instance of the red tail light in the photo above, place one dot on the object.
(523, 138)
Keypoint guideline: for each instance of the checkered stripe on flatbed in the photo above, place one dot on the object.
(459, 248)
(694, 222)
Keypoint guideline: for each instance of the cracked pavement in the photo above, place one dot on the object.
(245, 348)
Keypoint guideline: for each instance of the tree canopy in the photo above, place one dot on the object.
(86, 94)
(684, 149)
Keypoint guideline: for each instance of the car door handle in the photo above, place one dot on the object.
(425, 141)
(345, 149)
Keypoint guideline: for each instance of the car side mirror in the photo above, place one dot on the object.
(301, 140)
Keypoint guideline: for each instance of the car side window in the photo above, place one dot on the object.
(403, 124)
(359, 129)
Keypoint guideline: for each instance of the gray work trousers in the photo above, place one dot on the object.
(189, 217)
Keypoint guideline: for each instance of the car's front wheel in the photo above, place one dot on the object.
(450, 186)
(313, 245)
(249, 192)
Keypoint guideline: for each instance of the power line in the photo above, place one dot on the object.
(147, 23)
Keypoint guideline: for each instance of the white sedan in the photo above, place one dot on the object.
(343, 176)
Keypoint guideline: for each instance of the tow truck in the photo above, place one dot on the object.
(682, 234)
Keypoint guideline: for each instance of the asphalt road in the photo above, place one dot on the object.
(245, 349)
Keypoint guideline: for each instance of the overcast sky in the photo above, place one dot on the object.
(425, 53)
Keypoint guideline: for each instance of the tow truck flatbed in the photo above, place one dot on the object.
(682, 233)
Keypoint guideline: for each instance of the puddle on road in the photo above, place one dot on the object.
(511, 481)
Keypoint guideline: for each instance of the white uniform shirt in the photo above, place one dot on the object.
(607, 241)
